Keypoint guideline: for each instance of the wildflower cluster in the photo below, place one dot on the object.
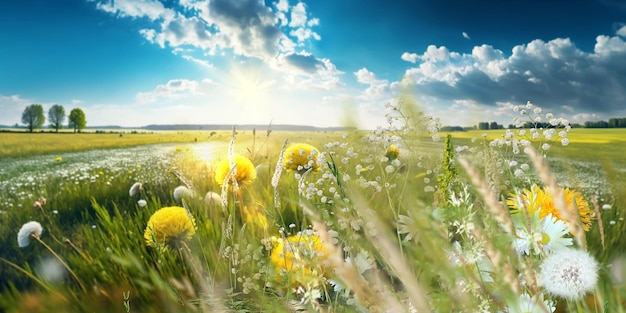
(366, 221)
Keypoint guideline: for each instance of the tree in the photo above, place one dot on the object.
(33, 117)
(77, 120)
(483, 125)
(56, 116)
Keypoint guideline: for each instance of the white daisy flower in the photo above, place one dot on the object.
(527, 304)
(545, 235)
(23, 235)
(569, 273)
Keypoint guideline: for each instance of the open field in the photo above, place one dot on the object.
(367, 227)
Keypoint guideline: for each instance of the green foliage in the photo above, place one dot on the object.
(33, 117)
(446, 180)
(77, 120)
(56, 116)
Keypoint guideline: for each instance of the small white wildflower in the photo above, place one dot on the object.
(390, 169)
(554, 121)
(569, 273)
(142, 203)
(564, 142)
(545, 147)
(549, 116)
(606, 207)
(28, 229)
(524, 167)
(518, 173)
(527, 304)
(537, 110)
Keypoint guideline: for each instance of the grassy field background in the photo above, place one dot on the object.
(86, 179)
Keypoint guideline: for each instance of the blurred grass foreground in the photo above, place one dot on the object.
(398, 219)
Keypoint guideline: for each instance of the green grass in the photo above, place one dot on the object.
(398, 251)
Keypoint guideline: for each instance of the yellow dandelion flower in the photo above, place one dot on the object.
(301, 157)
(169, 226)
(302, 256)
(392, 152)
(539, 199)
(58, 159)
(246, 173)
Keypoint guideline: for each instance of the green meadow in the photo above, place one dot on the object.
(272, 221)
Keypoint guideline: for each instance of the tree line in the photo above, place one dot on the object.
(33, 117)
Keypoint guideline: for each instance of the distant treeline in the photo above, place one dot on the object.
(612, 123)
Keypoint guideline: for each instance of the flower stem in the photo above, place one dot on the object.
(35, 237)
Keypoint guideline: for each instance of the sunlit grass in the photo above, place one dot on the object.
(392, 231)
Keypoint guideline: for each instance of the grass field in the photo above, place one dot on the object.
(370, 227)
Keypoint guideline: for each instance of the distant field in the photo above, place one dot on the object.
(23, 144)
(18, 144)
(604, 145)
(576, 135)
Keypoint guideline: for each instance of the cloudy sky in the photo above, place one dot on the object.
(312, 62)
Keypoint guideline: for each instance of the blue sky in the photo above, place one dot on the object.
(139, 62)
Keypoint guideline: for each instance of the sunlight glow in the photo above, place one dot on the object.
(248, 86)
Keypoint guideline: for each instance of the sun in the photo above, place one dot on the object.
(249, 86)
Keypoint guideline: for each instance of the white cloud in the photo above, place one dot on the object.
(466, 36)
(304, 33)
(11, 108)
(298, 15)
(622, 31)
(247, 27)
(552, 74)
(282, 5)
(133, 8)
(173, 90)
(377, 92)
(201, 62)
(409, 57)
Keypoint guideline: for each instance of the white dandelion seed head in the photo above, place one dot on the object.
(134, 189)
(564, 142)
(180, 192)
(569, 273)
(23, 235)
(213, 198)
